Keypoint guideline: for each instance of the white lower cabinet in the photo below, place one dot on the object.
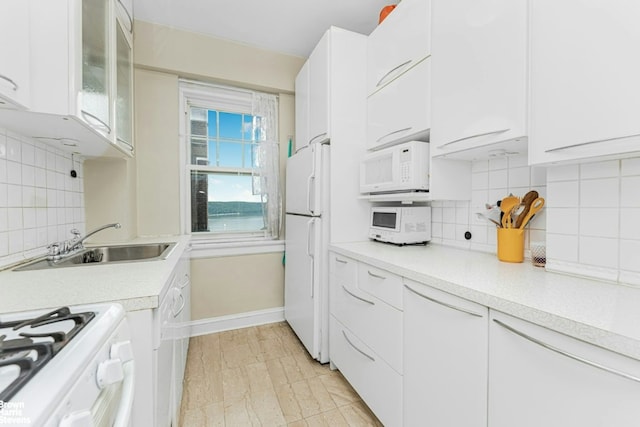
(445, 359)
(379, 385)
(365, 334)
(543, 378)
(419, 356)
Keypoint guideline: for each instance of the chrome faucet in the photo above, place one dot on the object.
(59, 250)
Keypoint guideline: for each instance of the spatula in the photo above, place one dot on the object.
(536, 205)
(506, 206)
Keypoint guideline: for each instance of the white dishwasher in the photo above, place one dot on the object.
(163, 355)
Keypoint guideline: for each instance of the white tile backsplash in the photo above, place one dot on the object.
(608, 169)
(563, 173)
(630, 167)
(491, 181)
(600, 193)
(630, 192)
(590, 222)
(630, 223)
(563, 194)
(600, 235)
(519, 177)
(562, 247)
(599, 222)
(630, 255)
(39, 201)
(499, 179)
(598, 251)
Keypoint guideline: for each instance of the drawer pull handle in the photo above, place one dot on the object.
(341, 261)
(130, 27)
(357, 297)
(567, 147)
(128, 144)
(356, 348)
(182, 304)
(392, 70)
(98, 120)
(567, 354)
(453, 307)
(472, 136)
(393, 133)
(7, 79)
(320, 135)
(376, 275)
(185, 281)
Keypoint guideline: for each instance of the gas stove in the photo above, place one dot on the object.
(66, 367)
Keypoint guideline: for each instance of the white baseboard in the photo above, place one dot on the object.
(236, 321)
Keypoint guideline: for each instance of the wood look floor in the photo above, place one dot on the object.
(263, 376)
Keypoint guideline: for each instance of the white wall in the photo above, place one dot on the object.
(39, 200)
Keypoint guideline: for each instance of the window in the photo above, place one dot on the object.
(232, 162)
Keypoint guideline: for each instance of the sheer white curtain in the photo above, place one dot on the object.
(266, 175)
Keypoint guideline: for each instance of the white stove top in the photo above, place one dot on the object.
(37, 375)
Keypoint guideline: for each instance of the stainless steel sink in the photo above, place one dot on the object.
(105, 255)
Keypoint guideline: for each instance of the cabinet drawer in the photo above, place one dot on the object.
(445, 359)
(343, 268)
(375, 322)
(570, 381)
(400, 111)
(374, 380)
(381, 284)
(398, 43)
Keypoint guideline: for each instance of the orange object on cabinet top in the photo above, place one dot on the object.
(385, 12)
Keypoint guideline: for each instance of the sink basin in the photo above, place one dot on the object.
(105, 255)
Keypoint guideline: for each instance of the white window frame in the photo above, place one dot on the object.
(229, 100)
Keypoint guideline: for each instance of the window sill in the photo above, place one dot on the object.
(202, 247)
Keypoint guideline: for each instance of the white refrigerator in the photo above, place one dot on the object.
(306, 248)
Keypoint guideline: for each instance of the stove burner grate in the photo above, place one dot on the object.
(28, 366)
(18, 351)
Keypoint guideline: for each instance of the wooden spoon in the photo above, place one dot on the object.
(506, 206)
(536, 205)
(527, 200)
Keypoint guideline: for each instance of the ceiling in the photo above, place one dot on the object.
(286, 26)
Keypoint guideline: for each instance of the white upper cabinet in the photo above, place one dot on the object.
(302, 107)
(124, 86)
(398, 76)
(319, 127)
(585, 90)
(398, 44)
(14, 54)
(95, 88)
(312, 96)
(81, 97)
(125, 13)
(401, 109)
(479, 75)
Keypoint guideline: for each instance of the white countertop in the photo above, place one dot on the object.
(604, 314)
(135, 285)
